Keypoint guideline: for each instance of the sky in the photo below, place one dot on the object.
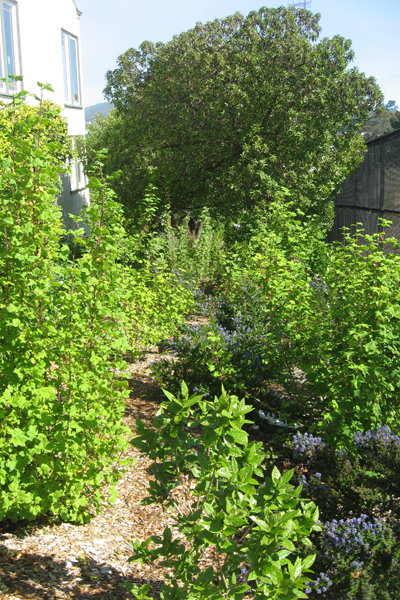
(109, 28)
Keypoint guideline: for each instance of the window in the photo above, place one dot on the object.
(69, 44)
(8, 46)
(78, 179)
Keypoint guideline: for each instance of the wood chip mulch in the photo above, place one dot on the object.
(45, 560)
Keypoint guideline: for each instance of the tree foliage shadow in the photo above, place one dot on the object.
(39, 577)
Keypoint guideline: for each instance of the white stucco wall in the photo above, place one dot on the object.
(40, 25)
(40, 59)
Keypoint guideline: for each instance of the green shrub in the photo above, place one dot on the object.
(358, 555)
(54, 140)
(155, 303)
(60, 402)
(252, 530)
(351, 358)
(342, 328)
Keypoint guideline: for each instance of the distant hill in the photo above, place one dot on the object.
(103, 108)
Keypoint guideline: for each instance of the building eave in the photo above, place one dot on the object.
(78, 12)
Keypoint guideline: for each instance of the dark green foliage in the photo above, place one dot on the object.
(61, 402)
(358, 555)
(225, 113)
(395, 120)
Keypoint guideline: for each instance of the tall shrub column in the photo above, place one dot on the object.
(60, 409)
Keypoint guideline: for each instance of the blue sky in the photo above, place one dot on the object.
(110, 27)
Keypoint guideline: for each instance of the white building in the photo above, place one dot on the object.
(40, 40)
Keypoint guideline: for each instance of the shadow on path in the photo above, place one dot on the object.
(29, 575)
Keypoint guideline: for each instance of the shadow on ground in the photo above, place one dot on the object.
(39, 577)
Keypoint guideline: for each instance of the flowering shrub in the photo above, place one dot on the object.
(313, 485)
(364, 478)
(358, 558)
(229, 350)
(306, 444)
(379, 440)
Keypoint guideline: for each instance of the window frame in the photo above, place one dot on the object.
(78, 178)
(67, 70)
(8, 89)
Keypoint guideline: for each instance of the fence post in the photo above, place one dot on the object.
(382, 183)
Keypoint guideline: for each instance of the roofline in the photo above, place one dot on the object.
(385, 136)
(78, 12)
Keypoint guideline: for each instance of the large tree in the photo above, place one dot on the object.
(226, 112)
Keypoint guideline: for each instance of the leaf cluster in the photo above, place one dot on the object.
(252, 529)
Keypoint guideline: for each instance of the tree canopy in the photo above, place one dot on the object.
(225, 113)
(395, 120)
(383, 121)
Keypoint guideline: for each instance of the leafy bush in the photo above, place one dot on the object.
(251, 529)
(341, 329)
(351, 358)
(357, 556)
(230, 349)
(60, 403)
(55, 142)
(155, 304)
